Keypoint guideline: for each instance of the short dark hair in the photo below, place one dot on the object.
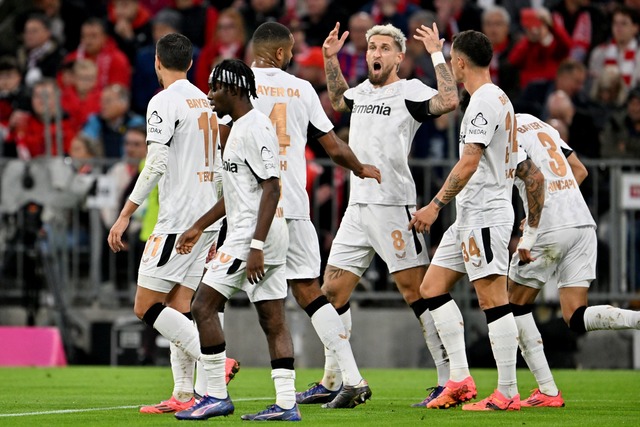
(237, 74)
(271, 32)
(175, 51)
(475, 46)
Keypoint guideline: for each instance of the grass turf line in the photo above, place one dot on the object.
(109, 396)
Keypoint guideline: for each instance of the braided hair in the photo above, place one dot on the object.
(235, 73)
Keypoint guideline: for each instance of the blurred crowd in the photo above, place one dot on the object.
(76, 76)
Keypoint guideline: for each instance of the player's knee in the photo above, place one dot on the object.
(576, 320)
(150, 314)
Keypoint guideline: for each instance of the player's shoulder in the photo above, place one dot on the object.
(416, 90)
(490, 96)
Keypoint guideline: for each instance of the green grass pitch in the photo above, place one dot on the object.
(109, 396)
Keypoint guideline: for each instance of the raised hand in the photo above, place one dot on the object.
(430, 38)
(332, 44)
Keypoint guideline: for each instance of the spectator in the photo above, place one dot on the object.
(10, 12)
(123, 175)
(621, 135)
(310, 67)
(199, 20)
(256, 12)
(622, 49)
(96, 45)
(110, 124)
(320, 18)
(229, 42)
(544, 45)
(145, 80)
(570, 78)
(395, 12)
(65, 18)
(40, 55)
(46, 126)
(496, 24)
(608, 96)
(583, 134)
(81, 97)
(83, 150)
(417, 62)
(129, 25)
(353, 56)
(585, 25)
(13, 96)
(455, 16)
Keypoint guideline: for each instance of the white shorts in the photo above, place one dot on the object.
(228, 275)
(161, 267)
(369, 229)
(303, 256)
(479, 252)
(569, 253)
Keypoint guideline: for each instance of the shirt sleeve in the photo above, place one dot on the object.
(261, 152)
(416, 98)
(481, 122)
(161, 119)
(319, 123)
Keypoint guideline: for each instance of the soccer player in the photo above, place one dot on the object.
(477, 243)
(566, 246)
(182, 132)
(253, 255)
(386, 112)
(295, 110)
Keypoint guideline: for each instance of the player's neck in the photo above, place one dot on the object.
(240, 109)
(264, 62)
(390, 80)
(170, 77)
(474, 81)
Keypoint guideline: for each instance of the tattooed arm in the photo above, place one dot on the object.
(447, 98)
(336, 83)
(456, 181)
(533, 180)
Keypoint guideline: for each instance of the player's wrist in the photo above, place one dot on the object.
(257, 244)
(529, 236)
(437, 58)
(439, 204)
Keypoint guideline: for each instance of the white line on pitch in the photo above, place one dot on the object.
(74, 411)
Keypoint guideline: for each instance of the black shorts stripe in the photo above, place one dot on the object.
(235, 265)
(222, 234)
(416, 241)
(166, 250)
(486, 243)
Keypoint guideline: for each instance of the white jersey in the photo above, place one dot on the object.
(295, 111)
(490, 121)
(384, 121)
(249, 158)
(564, 205)
(181, 118)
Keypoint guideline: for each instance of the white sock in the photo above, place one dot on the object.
(332, 377)
(606, 317)
(179, 330)
(450, 326)
(285, 383)
(503, 334)
(532, 351)
(200, 386)
(213, 365)
(182, 369)
(434, 344)
(333, 335)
